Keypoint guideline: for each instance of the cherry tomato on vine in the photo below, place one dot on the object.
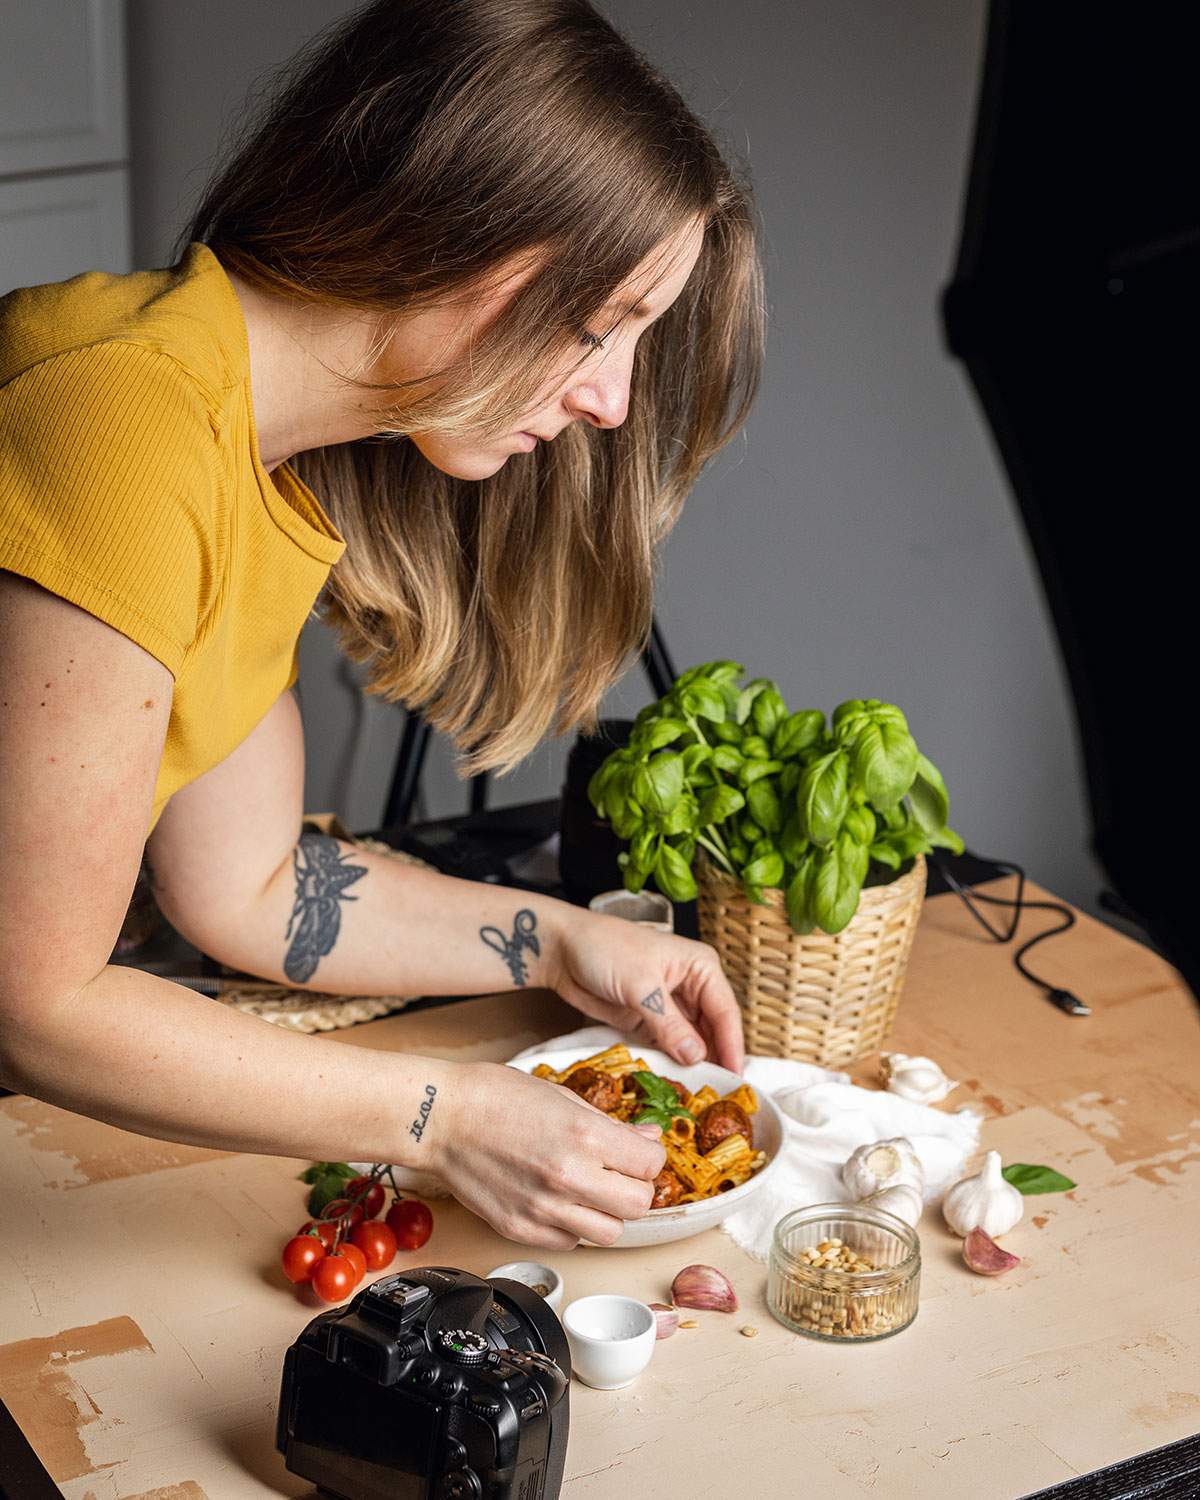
(340, 1209)
(377, 1242)
(326, 1229)
(411, 1222)
(372, 1204)
(356, 1258)
(334, 1278)
(301, 1256)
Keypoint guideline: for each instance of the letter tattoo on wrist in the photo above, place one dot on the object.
(510, 949)
(654, 1001)
(417, 1128)
(321, 882)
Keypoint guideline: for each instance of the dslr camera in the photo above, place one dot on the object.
(430, 1385)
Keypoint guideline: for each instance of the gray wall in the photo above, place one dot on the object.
(858, 539)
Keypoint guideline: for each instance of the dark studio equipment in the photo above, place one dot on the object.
(1073, 310)
(434, 1383)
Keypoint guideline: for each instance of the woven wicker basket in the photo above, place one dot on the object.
(821, 998)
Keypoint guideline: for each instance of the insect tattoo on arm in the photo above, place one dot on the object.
(510, 948)
(322, 876)
(654, 1001)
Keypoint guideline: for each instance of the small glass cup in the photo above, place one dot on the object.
(849, 1306)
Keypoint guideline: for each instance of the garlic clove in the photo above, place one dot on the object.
(982, 1254)
(984, 1201)
(666, 1319)
(703, 1287)
(919, 1079)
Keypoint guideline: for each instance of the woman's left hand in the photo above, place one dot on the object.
(670, 989)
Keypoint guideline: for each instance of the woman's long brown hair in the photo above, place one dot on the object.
(405, 155)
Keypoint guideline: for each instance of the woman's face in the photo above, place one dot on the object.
(597, 391)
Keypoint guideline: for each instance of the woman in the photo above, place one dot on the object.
(329, 394)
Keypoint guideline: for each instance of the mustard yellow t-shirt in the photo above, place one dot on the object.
(131, 484)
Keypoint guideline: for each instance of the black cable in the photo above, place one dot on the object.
(1064, 999)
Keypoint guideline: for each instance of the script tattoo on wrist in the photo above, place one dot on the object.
(322, 876)
(511, 948)
(417, 1128)
(654, 1001)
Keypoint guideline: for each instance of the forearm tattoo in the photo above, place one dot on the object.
(417, 1128)
(321, 880)
(510, 949)
(654, 1001)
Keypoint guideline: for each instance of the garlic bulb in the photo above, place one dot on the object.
(901, 1199)
(916, 1078)
(984, 1202)
(882, 1164)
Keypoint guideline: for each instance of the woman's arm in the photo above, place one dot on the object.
(322, 914)
(79, 752)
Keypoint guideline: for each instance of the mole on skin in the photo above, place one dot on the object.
(149, 703)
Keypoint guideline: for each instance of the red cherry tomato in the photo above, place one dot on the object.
(356, 1258)
(377, 1242)
(326, 1229)
(340, 1209)
(301, 1256)
(372, 1204)
(334, 1278)
(411, 1223)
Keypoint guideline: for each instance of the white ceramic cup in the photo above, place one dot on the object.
(532, 1273)
(611, 1339)
(648, 908)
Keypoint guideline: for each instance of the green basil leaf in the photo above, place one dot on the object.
(928, 797)
(765, 808)
(766, 870)
(754, 747)
(798, 900)
(749, 829)
(747, 696)
(705, 701)
(884, 762)
(835, 886)
(727, 733)
(694, 757)
(739, 852)
(768, 711)
(1036, 1179)
(946, 838)
(627, 819)
(860, 824)
(720, 803)
(656, 733)
(658, 783)
(321, 1169)
(753, 893)
(790, 777)
(727, 759)
(797, 732)
(793, 842)
(755, 770)
(683, 817)
(723, 671)
(823, 796)
(673, 876)
(884, 854)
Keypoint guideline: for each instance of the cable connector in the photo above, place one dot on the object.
(1065, 1000)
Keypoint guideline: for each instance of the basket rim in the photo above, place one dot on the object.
(706, 872)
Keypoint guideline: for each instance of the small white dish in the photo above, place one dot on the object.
(684, 1219)
(533, 1273)
(611, 1339)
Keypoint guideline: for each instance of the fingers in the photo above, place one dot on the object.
(720, 1009)
(632, 1151)
(670, 1028)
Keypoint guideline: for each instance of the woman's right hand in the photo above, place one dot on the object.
(541, 1165)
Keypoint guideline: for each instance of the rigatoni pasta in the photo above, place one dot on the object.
(708, 1138)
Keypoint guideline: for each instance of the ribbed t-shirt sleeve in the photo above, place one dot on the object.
(108, 487)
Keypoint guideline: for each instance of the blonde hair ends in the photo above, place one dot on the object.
(404, 156)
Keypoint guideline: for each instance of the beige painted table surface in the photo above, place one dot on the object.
(143, 1319)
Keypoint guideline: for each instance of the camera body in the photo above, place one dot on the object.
(432, 1383)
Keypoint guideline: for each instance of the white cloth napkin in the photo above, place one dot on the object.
(827, 1117)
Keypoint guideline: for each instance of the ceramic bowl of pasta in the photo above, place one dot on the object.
(722, 1136)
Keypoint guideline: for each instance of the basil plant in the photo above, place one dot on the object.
(774, 798)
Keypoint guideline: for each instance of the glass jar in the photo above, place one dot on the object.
(815, 1284)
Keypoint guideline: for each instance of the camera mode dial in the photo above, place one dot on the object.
(462, 1346)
